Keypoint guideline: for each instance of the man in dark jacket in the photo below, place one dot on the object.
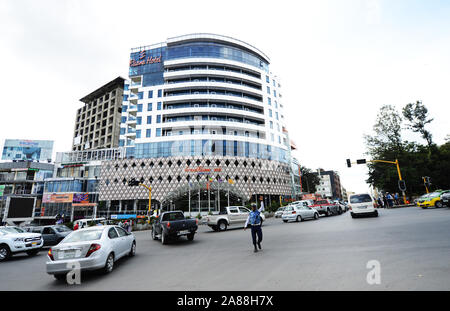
(254, 219)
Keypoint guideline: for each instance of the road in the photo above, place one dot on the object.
(412, 246)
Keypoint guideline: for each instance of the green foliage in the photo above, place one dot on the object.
(310, 179)
(415, 160)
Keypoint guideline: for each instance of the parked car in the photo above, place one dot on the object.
(445, 199)
(279, 212)
(362, 204)
(230, 216)
(432, 199)
(299, 212)
(170, 225)
(83, 223)
(14, 240)
(93, 248)
(52, 235)
(327, 207)
(341, 205)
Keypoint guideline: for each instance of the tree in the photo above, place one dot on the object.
(309, 179)
(417, 116)
(387, 130)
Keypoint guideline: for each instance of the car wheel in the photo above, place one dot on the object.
(376, 213)
(353, 215)
(340, 211)
(33, 252)
(5, 253)
(163, 238)
(154, 237)
(316, 216)
(438, 204)
(190, 237)
(133, 249)
(60, 277)
(223, 225)
(299, 218)
(284, 220)
(215, 228)
(328, 212)
(109, 265)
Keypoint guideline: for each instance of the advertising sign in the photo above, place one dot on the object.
(57, 198)
(123, 216)
(80, 198)
(28, 150)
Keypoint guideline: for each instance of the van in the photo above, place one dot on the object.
(362, 204)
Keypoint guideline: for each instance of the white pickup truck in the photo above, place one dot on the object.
(232, 215)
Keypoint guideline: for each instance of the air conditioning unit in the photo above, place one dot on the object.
(196, 93)
(196, 105)
(212, 92)
(169, 107)
(213, 105)
(212, 80)
(213, 118)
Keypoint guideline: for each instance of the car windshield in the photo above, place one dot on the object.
(173, 216)
(433, 195)
(62, 229)
(13, 230)
(84, 235)
(360, 198)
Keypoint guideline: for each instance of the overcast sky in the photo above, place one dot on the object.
(338, 62)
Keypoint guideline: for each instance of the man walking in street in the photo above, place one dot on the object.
(254, 219)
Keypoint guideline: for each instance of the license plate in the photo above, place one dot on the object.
(184, 232)
(365, 206)
(66, 254)
(34, 243)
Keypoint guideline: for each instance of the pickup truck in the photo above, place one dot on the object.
(171, 225)
(232, 215)
(327, 207)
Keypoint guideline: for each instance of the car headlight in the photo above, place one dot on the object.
(18, 239)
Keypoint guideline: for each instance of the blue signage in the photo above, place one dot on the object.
(124, 216)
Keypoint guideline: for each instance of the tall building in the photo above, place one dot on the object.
(97, 123)
(330, 184)
(202, 119)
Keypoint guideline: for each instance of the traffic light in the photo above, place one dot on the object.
(349, 164)
(361, 161)
(402, 185)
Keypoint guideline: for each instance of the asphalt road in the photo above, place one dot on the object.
(412, 246)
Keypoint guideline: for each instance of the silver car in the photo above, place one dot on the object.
(299, 212)
(90, 248)
(279, 212)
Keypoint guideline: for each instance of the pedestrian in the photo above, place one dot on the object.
(396, 199)
(76, 226)
(385, 201)
(380, 202)
(254, 219)
(390, 200)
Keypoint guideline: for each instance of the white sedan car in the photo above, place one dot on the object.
(90, 248)
(15, 240)
(299, 212)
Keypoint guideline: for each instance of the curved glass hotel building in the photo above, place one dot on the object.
(202, 122)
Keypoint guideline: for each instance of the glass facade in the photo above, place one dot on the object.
(208, 148)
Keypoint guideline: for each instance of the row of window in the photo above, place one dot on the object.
(207, 148)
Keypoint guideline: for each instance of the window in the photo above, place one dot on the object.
(148, 133)
(269, 101)
(274, 83)
(125, 97)
(158, 132)
(270, 113)
(267, 79)
(149, 107)
(121, 143)
(276, 115)
(276, 104)
(124, 108)
(121, 231)
(125, 87)
(149, 119)
(278, 127)
(159, 106)
(279, 139)
(272, 137)
(138, 133)
(48, 230)
(123, 119)
(274, 93)
(158, 118)
(139, 107)
(159, 93)
(271, 124)
(150, 94)
(234, 210)
(139, 120)
(140, 95)
(268, 90)
(122, 131)
(112, 233)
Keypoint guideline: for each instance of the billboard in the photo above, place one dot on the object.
(20, 207)
(57, 198)
(28, 150)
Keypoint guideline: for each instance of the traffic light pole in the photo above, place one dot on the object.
(398, 171)
(149, 198)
